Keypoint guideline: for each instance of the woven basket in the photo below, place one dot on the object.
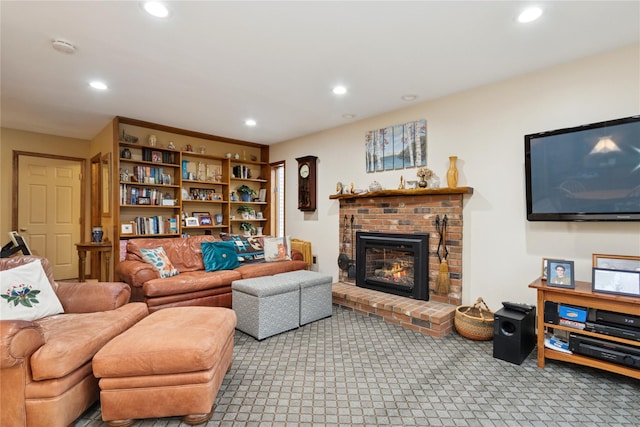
(474, 321)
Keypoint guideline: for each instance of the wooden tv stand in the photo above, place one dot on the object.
(583, 296)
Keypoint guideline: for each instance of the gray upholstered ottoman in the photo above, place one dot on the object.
(266, 306)
(315, 294)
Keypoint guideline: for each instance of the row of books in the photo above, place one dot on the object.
(150, 175)
(241, 171)
(151, 155)
(134, 195)
(154, 225)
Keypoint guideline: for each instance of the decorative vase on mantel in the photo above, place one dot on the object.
(452, 172)
(422, 183)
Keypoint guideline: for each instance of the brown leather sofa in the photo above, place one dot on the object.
(193, 286)
(46, 377)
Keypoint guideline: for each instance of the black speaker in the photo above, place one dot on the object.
(514, 335)
(551, 312)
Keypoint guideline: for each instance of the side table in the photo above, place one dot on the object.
(100, 248)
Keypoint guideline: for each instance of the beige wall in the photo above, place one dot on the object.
(484, 127)
(16, 140)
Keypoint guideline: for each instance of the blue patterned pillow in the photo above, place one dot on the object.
(219, 256)
(248, 249)
(158, 258)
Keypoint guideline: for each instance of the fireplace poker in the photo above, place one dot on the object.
(343, 258)
(443, 282)
(352, 265)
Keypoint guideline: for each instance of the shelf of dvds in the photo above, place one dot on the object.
(583, 296)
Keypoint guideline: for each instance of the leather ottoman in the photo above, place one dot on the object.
(170, 363)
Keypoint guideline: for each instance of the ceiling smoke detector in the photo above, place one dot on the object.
(63, 46)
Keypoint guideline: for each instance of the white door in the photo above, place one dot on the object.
(49, 210)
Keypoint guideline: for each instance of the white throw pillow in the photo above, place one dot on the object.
(27, 293)
(159, 260)
(277, 248)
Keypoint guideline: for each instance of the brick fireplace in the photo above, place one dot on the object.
(406, 212)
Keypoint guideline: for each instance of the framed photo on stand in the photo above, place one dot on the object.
(205, 219)
(126, 228)
(560, 273)
(545, 265)
(620, 282)
(19, 242)
(191, 221)
(616, 262)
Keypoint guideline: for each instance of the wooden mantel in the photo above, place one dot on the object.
(411, 192)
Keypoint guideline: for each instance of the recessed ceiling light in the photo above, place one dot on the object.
(409, 97)
(250, 122)
(339, 90)
(348, 116)
(98, 85)
(530, 14)
(156, 9)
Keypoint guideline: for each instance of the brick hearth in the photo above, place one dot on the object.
(427, 317)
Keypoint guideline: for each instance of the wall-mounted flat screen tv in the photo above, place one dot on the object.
(584, 173)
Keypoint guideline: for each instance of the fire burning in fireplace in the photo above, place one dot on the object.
(397, 271)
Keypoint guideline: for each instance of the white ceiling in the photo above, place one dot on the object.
(213, 64)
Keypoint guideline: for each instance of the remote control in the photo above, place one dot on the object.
(524, 308)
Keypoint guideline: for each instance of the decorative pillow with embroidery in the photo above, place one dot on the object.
(277, 248)
(158, 258)
(27, 293)
(248, 249)
(219, 256)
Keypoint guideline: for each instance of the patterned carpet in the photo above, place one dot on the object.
(361, 371)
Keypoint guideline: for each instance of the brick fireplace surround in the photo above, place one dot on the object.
(406, 211)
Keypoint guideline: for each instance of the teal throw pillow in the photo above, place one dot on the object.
(219, 256)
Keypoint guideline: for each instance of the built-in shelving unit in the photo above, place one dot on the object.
(165, 176)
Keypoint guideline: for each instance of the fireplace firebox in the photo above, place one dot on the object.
(394, 263)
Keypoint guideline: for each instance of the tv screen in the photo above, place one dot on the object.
(584, 173)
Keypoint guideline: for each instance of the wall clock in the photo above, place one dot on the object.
(307, 183)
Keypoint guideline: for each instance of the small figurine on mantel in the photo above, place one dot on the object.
(401, 186)
(425, 175)
(375, 186)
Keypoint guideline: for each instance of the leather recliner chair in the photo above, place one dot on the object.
(45, 365)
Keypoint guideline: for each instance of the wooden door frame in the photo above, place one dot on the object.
(95, 214)
(15, 185)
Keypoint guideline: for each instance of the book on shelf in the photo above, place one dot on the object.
(242, 171)
(155, 155)
(132, 195)
(150, 175)
(157, 224)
